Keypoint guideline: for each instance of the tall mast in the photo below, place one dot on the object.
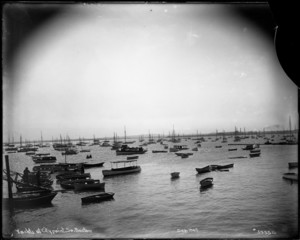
(125, 133)
(290, 128)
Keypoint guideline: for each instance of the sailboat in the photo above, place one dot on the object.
(174, 140)
(151, 139)
(291, 140)
(224, 138)
(127, 142)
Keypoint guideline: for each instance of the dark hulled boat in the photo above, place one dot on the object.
(204, 170)
(30, 199)
(125, 150)
(97, 198)
(92, 165)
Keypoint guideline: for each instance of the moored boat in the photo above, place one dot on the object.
(177, 148)
(207, 182)
(57, 167)
(159, 151)
(185, 154)
(70, 183)
(204, 170)
(30, 200)
(175, 175)
(85, 150)
(232, 149)
(125, 150)
(251, 146)
(123, 170)
(92, 165)
(237, 157)
(290, 176)
(256, 154)
(44, 159)
(225, 166)
(39, 155)
(97, 198)
(255, 151)
(72, 176)
(90, 184)
(132, 157)
(293, 164)
(70, 151)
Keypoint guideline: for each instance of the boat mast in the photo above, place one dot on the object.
(125, 134)
(290, 128)
(8, 177)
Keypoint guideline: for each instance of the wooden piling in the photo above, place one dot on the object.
(8, 177)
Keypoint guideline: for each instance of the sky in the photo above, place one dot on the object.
(97, 68)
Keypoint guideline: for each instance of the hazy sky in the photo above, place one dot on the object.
(97, 68)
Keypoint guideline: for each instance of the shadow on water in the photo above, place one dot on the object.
(18, 208)
(174, 179)
(84, 205)
(203, 190)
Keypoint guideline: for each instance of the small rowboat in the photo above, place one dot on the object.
(255, 151)
(175, 175)
(29, 200)
(69, 184)
(159, 151)
(183, 154)
(207, 182)
(232, 149)
(237, 157)
(256, 154)
(91, 165)
(290, 176)
(293, 164)
(132, 157)
(225, 166)
(97, 198)
(204, 170)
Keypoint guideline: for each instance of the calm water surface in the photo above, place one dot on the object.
(250, 201)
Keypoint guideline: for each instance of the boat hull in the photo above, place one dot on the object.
(207, 182)
(120, 172)
(95, 186)
(291, 177)
(91, 165)
(130, 153)
(33, 201)
(175, 174)
(204, 170)
(293, 164)
(224, 166)
(254, 154)
(97, 198)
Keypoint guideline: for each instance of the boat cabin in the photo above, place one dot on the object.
(128, 164)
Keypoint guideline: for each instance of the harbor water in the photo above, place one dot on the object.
(251, 200)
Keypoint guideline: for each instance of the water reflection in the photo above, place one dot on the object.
(205, 189)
